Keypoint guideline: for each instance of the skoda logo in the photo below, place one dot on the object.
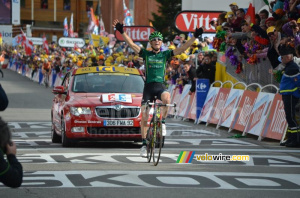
(118, 107)
(62, 41)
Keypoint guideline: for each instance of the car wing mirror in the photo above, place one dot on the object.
(59, 90)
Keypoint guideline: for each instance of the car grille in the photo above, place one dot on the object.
(113, 130)
(111, 112)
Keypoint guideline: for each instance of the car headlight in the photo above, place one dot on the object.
(80, 110)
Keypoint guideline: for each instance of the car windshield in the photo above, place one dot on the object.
(107, 83)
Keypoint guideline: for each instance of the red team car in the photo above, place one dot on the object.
(97, 103)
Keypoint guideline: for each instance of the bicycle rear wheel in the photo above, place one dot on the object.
(46, 81)
(149, 140)
(156, 150)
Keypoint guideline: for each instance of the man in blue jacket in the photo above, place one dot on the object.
(289, 89)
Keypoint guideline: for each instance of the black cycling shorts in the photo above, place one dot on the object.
(151, 90)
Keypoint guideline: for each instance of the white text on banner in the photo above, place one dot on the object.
(242, 114)
(259, 113)
(230, 107)
(276, 123)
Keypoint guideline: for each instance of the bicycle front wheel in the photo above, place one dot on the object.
(149, 140)
(157, 144)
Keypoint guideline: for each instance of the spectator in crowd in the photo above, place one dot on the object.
(233, 7)
(57, 64)
(292, 29)
(263, 15)
(200, 57)
(294, 9)
(181, 40)
(270, 22)
(290, 94)
(273, 52)
(207, 70)
(191, 76)
(194, 48)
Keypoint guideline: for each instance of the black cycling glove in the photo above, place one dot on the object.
(119, 27)
(198, 32)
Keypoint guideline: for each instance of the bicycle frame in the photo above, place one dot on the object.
(155, 141)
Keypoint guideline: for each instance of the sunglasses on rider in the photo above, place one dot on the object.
(156, 39)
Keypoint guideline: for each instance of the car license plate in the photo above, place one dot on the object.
(118, 123)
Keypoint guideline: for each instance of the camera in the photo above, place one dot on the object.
(293, 26)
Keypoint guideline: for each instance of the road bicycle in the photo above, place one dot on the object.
(46, 79)
(154, 138)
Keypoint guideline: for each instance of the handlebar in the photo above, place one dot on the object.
(160, 104)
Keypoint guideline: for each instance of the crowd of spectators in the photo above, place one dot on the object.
(253, 38)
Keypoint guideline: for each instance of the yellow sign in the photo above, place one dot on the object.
(96, 40)
(105, 69)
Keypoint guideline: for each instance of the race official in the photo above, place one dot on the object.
(289, 89)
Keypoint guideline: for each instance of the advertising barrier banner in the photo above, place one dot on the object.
(259, 113)
(244, 109)
(202, 88)
(184, 101)
(208, 104)
(275, 124)
(218, 106)
(230, 107)
(189, 109)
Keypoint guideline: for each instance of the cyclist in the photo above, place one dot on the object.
(46, 69)
(155, 67)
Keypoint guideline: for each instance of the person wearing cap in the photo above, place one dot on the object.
(289, 89)
(181, 40)
(155, 67)
(234, 7)
(273, 52)
(101, 60)
(194, 48)
(292, 29)
(270, 22)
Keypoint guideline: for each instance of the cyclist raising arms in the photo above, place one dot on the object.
(155, 68)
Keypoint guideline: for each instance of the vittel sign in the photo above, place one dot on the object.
(70, 42)
(136, 33)
(187, 21)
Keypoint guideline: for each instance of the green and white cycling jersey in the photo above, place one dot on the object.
(155, 64)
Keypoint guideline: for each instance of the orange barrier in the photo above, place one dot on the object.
(244, 109)
(276, 124)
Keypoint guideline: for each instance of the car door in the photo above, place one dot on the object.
(61, 98)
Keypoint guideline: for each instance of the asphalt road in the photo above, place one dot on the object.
(114, 169)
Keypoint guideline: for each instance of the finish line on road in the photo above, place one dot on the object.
(159, 179)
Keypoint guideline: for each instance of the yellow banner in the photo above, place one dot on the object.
(108, 69)
(96, 40)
